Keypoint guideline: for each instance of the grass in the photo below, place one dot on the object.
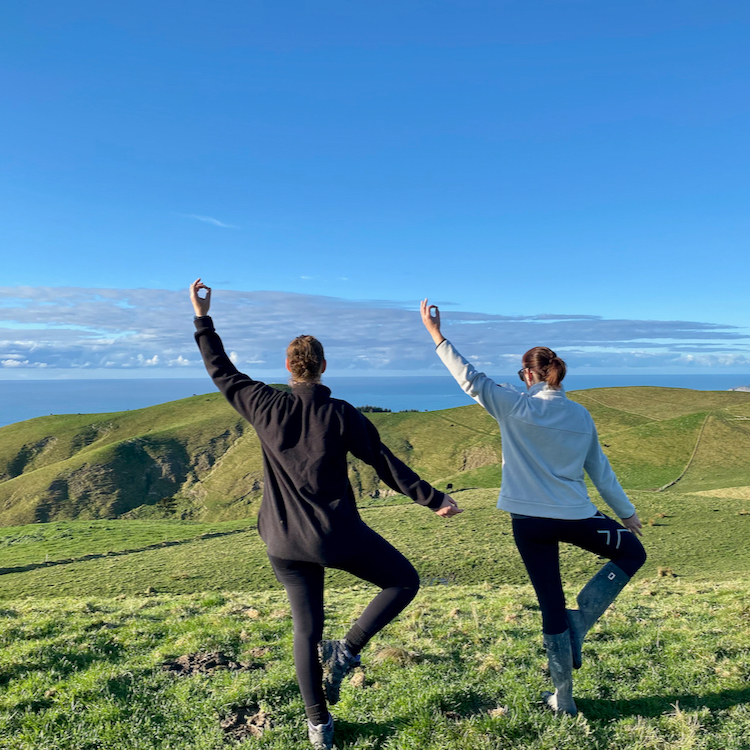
(698, 537)
(73, 540)
(92, 606)
(667, 668)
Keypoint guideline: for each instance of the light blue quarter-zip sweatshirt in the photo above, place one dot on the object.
(548, 443)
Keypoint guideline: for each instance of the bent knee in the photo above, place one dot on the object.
(641, 558)
(637, 552)
(405, 578)
(634, 558)
(412, 581)
(411, 591)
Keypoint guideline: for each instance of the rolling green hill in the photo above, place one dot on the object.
(150, 553)
(197, 459)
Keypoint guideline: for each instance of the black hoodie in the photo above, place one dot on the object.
(308, 510)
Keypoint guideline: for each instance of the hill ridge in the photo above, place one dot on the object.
(197, 459)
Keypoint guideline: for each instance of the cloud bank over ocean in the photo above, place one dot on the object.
(65, 331)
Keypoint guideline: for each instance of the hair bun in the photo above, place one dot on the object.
(546, 363)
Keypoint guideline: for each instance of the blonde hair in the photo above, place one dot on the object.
(306, 357)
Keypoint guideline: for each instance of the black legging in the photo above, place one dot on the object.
(376, 561)
(538, 542)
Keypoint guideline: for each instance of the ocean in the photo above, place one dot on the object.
(21, 400)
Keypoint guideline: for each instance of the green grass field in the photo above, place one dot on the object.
(666, 668)
(150, 553)
(698, 538)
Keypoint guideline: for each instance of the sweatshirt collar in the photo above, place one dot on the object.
(311, 389)
(542, 390)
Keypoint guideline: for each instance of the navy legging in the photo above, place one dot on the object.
(538, 541)
(376, 561)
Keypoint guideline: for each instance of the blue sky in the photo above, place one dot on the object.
(573, 174)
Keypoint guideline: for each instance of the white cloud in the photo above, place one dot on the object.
(72, 328)
(210, 220)
(150, 362)
(16, 361)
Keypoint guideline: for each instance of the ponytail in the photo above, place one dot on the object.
(546, 364)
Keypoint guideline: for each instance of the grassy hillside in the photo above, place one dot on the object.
(106, 465)
(694, 537)
(150, 562)
(666, 669)
(706, 435)
(196, 459)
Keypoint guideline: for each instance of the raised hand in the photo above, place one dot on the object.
(200, 304)
(431, 322)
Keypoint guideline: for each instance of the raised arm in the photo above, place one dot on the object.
(242, 392)
(498, 401)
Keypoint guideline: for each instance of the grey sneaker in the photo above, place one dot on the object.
(337, 663)
(321, 735)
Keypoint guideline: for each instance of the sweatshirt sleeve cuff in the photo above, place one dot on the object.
(436, 501)
(204, 323)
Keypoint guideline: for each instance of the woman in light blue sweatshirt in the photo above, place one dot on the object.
(548, 443)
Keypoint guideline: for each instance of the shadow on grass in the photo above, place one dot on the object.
(350, 732)
(120, 553)
(466, 704)
(653, 706)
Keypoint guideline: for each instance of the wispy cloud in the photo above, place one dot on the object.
(210, 220)
(131, 329)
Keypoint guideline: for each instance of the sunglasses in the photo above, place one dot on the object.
(521, 372)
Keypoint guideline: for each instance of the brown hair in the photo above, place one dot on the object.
(306, 358)
(546, 364)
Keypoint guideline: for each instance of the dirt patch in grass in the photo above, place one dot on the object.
(206, 663)
(396, 655)
(245, 721)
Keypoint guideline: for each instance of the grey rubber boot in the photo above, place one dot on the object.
(560, 657)
(321, 735)
(593, 600)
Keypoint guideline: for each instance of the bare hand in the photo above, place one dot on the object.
(200, 304)
(431, 322)
(449, 508)
(633, 524)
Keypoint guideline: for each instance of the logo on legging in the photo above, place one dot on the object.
(609, 536)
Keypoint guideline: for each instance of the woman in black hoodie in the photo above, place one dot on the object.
(308, 518)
